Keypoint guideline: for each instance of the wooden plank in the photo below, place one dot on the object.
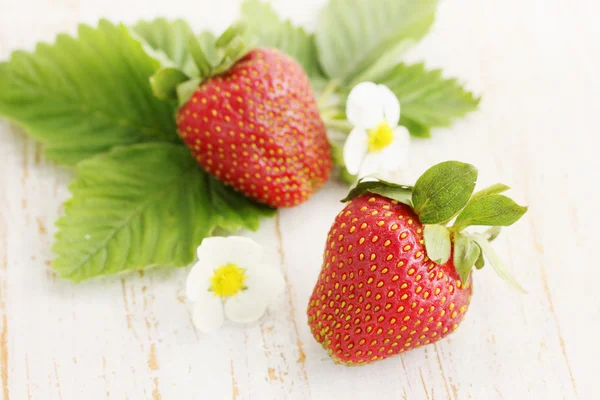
(131, 336)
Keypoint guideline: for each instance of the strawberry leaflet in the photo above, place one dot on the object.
(85, 105)
(150, 206)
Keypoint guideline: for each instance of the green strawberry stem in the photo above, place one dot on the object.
(445, 193)
(331, 111)
(212, 56)
(325, 98)
(329, 108)
(337, 124)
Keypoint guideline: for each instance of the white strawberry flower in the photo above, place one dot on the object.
(377, 144)
(230, 280)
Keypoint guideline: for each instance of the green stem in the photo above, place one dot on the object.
(338, 124)
(329, 111)
(329, 89)
(457, 227)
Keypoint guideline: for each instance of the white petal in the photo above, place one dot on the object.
(371, 165)
(238, 250)
(355, 149)
(267, 279)
(364, 107)
(396, 154)
(264, 285)
(390, 105)
(198, 281)
(248, 306)
(210, 252)
(208, 313)
(402, 136)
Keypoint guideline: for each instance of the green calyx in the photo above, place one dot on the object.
(211, 55)
(444, 193)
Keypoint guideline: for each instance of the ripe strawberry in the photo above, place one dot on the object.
(257, 128)
(379, 293)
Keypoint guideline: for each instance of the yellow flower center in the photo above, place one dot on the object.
(227, 280)
(380, 137)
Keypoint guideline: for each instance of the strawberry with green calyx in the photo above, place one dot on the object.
(250, 119)
(395, 276)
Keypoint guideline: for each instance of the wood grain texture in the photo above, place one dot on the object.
(131, 336)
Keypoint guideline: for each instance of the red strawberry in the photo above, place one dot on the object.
(257, 128)
(379, 292)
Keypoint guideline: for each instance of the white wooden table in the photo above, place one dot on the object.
(131, 337)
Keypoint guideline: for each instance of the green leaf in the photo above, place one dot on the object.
(204, 52)
(352, 35)
(496, 262)
(171, 39)
(390, 190)
(492, 210)
(234, 51)
(403, 194)
(443, 190)
(143, 205)
(494, 189)
(492, 233)
(232, 210)
(265, 28)
(207, 43)
(82, 96)
(383, 64)
(186, 90)
(466, 254)
(416, 129)
(480, 262)
(234, 30)
(437, 243)
(427, 99)
(131, 208)
(165, 82)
